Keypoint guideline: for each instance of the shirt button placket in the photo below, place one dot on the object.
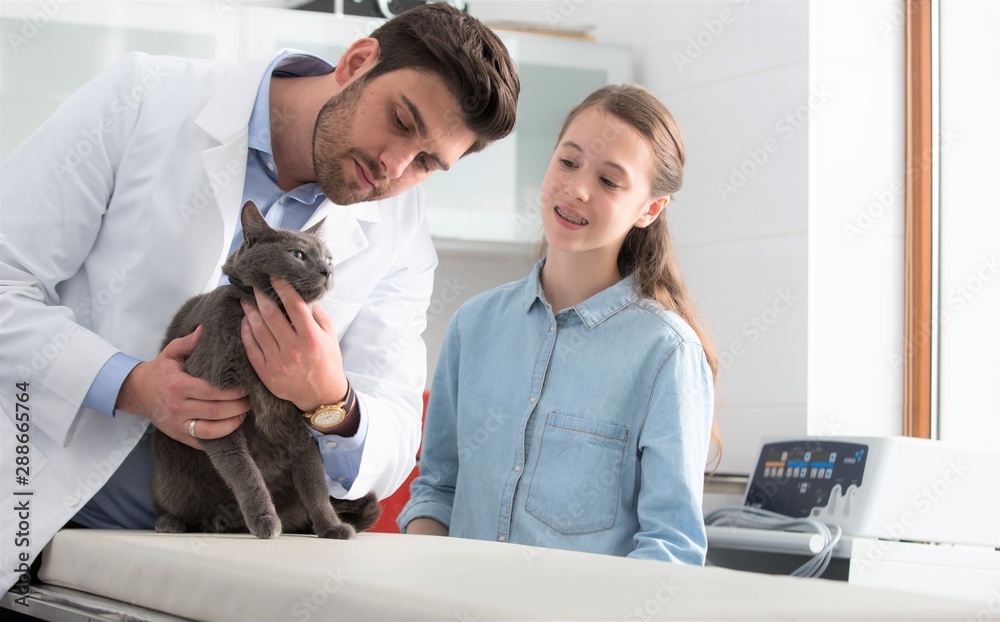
(507, 508)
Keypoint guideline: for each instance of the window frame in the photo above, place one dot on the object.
(921, 332)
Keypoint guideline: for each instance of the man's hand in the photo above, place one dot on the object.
(297, 358)
(161, 391)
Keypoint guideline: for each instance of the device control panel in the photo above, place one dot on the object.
(793, 477)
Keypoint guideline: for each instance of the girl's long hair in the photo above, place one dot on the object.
(648, 252)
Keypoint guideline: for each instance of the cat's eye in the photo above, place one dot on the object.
(296, 253)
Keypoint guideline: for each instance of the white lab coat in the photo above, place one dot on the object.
(117, 210)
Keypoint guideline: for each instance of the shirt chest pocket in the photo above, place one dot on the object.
(575, 484)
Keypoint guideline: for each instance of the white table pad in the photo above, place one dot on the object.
(395, 577)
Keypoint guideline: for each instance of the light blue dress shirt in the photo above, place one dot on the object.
(585, 430)
(125, 502)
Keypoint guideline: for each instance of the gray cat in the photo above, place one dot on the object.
(268, 475)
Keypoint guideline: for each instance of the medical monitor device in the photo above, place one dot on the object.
(891, 488)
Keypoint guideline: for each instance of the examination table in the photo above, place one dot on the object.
(141, 575)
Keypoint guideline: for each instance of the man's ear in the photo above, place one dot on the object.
(359, 58)
(653, 209)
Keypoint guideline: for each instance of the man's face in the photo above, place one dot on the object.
(379, 137)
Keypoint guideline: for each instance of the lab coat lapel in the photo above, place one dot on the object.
(226, 119)
(226, 169)
(342, 228)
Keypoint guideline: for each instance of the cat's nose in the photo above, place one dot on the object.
(325, 271)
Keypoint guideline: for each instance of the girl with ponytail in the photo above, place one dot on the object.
(574, 409)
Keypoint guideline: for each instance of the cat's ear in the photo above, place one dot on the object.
(315, 228)
(254, 225)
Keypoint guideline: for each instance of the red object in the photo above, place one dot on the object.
(393, 504)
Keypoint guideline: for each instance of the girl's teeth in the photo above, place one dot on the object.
(573, 219)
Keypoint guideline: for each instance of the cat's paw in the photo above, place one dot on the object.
(168, 523)
(265, 526)
(343, 531)
(362, 513)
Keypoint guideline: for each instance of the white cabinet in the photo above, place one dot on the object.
(322, 34)
(488, 197)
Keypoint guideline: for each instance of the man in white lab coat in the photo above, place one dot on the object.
(126, 203)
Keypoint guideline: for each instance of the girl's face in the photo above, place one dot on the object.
(597, 186)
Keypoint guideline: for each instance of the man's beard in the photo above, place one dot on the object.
(332, 159)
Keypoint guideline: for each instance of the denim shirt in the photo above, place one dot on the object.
(585, 430)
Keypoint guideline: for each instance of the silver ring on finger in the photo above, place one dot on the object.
(191, 428)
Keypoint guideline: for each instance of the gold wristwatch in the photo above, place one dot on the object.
(326, 418)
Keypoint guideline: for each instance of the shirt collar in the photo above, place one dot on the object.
(286, 63)
(593, 310)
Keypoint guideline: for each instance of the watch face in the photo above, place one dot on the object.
(329, 417)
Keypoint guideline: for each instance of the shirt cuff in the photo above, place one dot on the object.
(104, 390)
(342, 454)
(415, 509)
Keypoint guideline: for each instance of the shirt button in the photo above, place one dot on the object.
(532, 400)
(501, 538)
(340, 479)
(73, 501)
(331, 444)
(270, 166)
(282, 201)
(517, 468)
(552, 329)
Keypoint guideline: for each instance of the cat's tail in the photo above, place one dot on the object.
(362, 513)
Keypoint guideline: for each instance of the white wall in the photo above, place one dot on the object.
(856, 218)
(730, 71)
(804, 317)
(970, 223)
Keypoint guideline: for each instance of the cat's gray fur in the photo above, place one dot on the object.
(268, 475)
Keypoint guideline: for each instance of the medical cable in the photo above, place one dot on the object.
(757, 518)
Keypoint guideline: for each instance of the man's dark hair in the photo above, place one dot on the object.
(469, 57)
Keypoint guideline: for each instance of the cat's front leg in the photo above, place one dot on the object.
(231, 458)
(309, 478)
